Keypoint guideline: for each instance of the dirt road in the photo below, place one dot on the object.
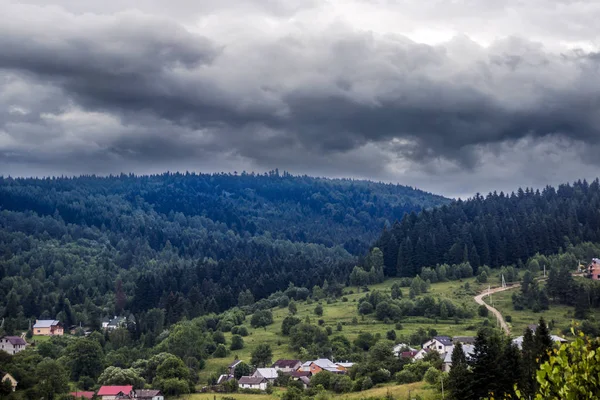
(479, 300)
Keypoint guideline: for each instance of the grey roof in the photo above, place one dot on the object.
(305, 380)
(15, 340)
(251, 380)
(463, 339)
(519, 340)
(45, 323)
(269, 373)
(146, 394)
(467, 349)
(234, 363)
(325, 363)
(445, 340)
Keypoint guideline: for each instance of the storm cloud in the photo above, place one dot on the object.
(310, 87)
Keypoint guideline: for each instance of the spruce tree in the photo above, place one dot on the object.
(543, 342)
(485, 363)
(528, 364)
(459, 378)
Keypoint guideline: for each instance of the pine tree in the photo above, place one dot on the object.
(543, 342)
(529, 365)
(485, 364)
(459, 378)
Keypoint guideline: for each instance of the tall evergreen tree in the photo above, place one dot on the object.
(529, 364)
(459, 378)
(543, 342)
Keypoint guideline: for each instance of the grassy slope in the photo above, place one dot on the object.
(344, 312)
(561, 315)
(398, 391)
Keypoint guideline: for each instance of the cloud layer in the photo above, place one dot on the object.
(311, 87)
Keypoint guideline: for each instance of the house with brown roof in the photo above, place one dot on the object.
(253, 382)
(48, 327)
(12, 344)
(5, 376)
(287, 366)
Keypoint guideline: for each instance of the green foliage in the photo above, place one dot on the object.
(261, 318)
(85, 358)
(237, 342)
(220, 352)
(432, 376)
(242, 369)
(53, 379)
(262, 355)
(118, 376)
(319, 310)
(572, 372)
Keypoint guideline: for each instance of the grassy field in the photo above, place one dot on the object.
(344, 312)
(397, 391)
(561, 315)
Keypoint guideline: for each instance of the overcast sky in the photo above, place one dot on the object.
(454, 97)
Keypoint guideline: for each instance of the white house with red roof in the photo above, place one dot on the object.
(114, 392)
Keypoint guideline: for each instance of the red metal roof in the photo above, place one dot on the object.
(114, 390)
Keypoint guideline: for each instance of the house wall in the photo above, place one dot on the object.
(57, 330)
(261, 386)
(315, 369)
(8, 347)
(12, 380)
(42, 331)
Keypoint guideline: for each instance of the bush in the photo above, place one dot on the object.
(483, 311)
(261, 318)
(220, 352)
(329, 330)
(405, 376)
(398, 326)
(219, 337)
(339, 327)
(367, 383)
(319, 310)
(242, 331)
(508, 318)
(391, 335)
(344, 299)
(237, 342)
(432, 376)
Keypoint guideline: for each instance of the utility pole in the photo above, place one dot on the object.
(442, 380)
(503, 281)
(544, 270)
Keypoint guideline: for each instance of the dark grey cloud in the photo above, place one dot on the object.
(126, 90)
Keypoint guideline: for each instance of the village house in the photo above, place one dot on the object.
(5, 376)
(231, 367)
(148, 394)
(83, 395)
(287, 366)
(48, 327)
(270, 374)
(251, 382)
(12, 344)
(419, 355)
(110, 324)
(400, 347)
(224, 378)
(322, 364)
(116, 392)
(463, 339)
(410, 354)
(439, 343)
(518, 341)
(447, 363)
(593, 269)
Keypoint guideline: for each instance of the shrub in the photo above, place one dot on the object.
(508, 318)
(367, 383)
(432, 376)
(237, 342)
(220, 352)
(483, 311)
(242, 331)
(405, 376)
(339, 327)
(391, 335)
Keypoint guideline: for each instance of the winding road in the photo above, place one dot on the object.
(479, 300)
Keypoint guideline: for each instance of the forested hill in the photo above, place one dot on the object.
(79, 248)
(499, 229)
(331, 212)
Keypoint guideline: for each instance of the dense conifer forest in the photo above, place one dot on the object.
(78, 249)
(495, 230)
